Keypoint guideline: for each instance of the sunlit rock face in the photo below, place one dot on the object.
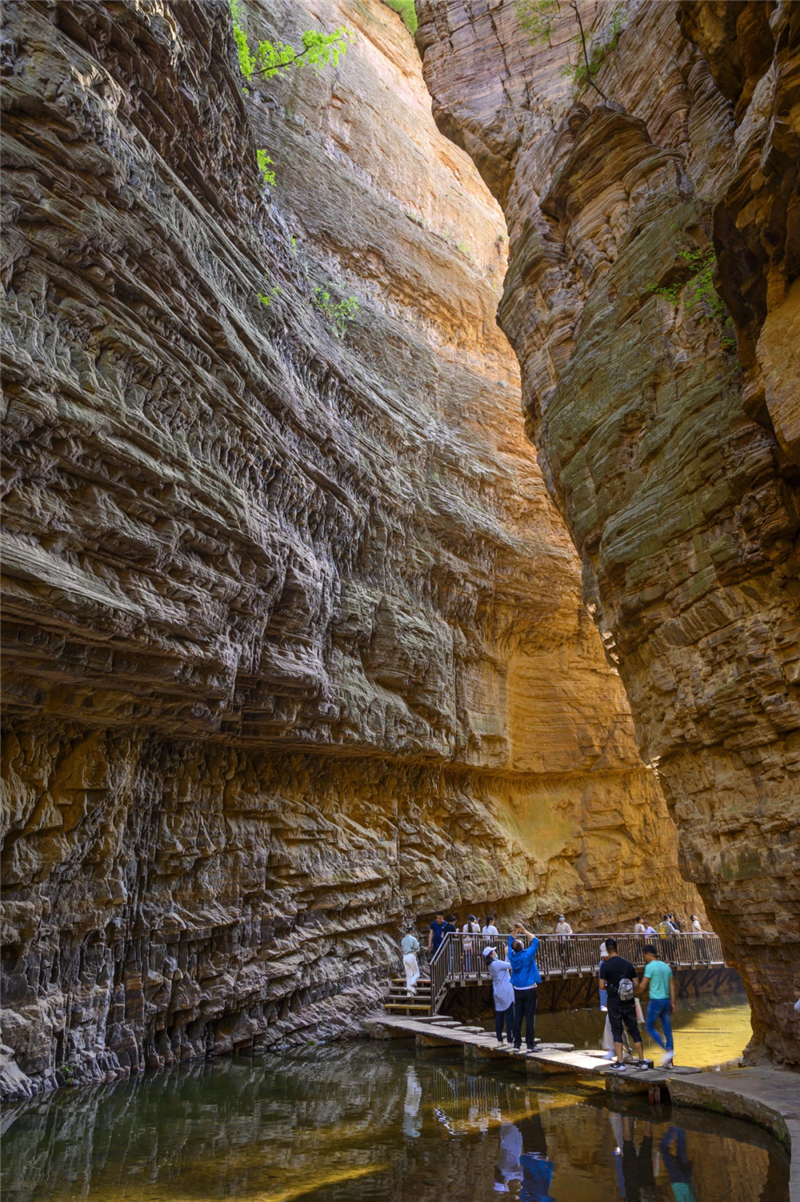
(294, 643)
(671, 453)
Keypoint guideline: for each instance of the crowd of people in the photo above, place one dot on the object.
(515, 979)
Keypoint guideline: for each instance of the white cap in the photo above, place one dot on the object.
(487, 951)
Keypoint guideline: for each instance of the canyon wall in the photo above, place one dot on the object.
(294, 646)
(666, 422)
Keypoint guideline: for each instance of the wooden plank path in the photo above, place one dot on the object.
(481, 1049)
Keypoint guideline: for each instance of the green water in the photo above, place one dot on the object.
(372, 1123)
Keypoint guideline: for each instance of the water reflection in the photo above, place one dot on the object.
(373, 1123)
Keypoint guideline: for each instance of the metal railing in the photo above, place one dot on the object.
(459, 959)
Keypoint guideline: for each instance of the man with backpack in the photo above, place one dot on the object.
(619, 978)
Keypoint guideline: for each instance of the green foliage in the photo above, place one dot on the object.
(583, 71)
(247, 64)
(264, 164)
(69, 1073)
(407, 11)
(338, 313)
(267, 296)
(537, 18)
(271, 59)
(699, 292)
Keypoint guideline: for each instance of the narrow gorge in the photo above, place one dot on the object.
(297, 643)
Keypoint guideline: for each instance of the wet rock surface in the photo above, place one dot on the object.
(667, 428)
(294, 645)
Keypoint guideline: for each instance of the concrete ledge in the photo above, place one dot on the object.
(767, 1096)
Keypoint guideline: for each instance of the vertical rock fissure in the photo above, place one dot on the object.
(671, 453)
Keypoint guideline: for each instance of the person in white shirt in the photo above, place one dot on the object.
(409, 947)
(503, 994)
(696, 926)
(470, 927)
(562, 926)
(489, 928)
(639, 927)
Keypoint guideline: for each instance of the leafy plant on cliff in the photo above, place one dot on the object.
(269, 293)
(699, 291)
(538, 17)
(275, 58)
(338, 313)
(264, 164)
(406, 10)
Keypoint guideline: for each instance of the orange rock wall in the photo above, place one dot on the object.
(293, 640)
(666, 428)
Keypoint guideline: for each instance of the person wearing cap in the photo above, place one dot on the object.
(503, 993)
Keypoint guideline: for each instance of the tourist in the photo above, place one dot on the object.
(603, 992)
(676, 925)
(638, 1178)
(502, 994)
(525, 978)
(650, 931)
(659, 980)
(678, 1165)
(409, 947)
(471, 927)
(489, 928)
(562, 926)
(639, 927)
(620, 979)
(697, 928)
(436, 933)
(451, 928)
(665, 927)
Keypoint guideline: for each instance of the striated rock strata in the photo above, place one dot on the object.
(293, 637)
(672, 455)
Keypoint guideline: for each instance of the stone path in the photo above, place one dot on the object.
(480, 1045)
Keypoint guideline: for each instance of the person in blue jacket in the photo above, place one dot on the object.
(525, 978)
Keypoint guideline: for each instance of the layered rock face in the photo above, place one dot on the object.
(293, 639)
(666, 431)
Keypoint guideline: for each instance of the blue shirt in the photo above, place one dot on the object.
(524, 971)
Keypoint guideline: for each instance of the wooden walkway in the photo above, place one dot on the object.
(481, 1050)
(460, 963)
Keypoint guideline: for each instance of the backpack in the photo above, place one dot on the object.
(625, 989)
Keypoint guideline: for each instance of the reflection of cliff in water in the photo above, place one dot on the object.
(341, 1124)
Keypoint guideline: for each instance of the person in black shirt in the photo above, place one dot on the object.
(436, 932)
(620, 1010)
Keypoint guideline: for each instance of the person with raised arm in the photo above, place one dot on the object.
(525, 978)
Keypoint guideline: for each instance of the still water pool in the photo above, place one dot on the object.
(372, 1123)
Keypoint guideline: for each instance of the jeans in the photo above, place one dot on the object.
(525, 1008)
(504, 1017)
(659, 1008)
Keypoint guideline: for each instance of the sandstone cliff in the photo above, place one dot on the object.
(667, 432)
(293, 638)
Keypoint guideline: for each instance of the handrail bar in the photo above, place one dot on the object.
(459, 958)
